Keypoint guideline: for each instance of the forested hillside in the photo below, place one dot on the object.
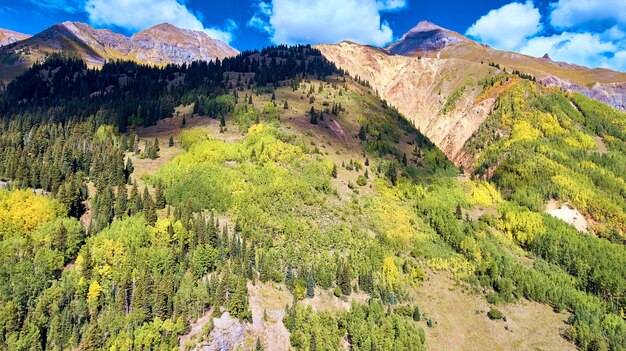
(124, 227)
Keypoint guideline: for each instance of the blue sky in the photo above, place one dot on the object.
(586, 32)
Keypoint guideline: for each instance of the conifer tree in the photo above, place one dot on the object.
(149, 207)
(313, 115)
(170, 142)
(362, 133)
(121, 202)
(159, 196)
(136, 203)
(289, 276)
(310, 285)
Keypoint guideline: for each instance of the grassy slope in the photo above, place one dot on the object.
(384, 212)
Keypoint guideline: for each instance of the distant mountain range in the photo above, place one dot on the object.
(161, 44)
(166, 43)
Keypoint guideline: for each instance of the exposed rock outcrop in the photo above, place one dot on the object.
(9, 37)
(420, 88)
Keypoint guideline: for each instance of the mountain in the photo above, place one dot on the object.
(420, 89)
(289, 205)
(425, 38)
(9, 37)
(161, 44)
(435, 78)
(430, 40)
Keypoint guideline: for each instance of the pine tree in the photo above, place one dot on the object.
(343, 278)
(149, 209)
(121, 202)
(129, 168)
(362, 133)
(136, 203)
(458, 212)
(94, 338)
(289, 276)
(259, 346)
(159, 196)
(313, 342)
(310, 285)
(416, 314)
(183, 123)
(392, 173)
(313, 115)
(170, 142)
(286, 105)
(238, 301)
(333, 173)
(404, 160)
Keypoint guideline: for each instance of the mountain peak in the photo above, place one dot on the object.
(164, 27)
(424, 26)
(425, 37)
(546, 57)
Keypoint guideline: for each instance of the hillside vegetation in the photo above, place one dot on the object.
(302, 178)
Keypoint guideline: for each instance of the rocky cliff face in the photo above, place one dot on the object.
(9, 37)
(421, 89)
(161, 44)
(612, 94)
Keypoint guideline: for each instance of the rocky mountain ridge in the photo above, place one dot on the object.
(430, 40)
(161, 44)
(9, 37)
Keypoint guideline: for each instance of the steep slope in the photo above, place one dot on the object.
(9, 37)
(299, 186)
(429, 40)
(438, 96)
(161, 44)
(166, 43)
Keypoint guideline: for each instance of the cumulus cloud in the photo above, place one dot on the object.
(141, 14)
(591, 33)
(325, 21)
(505, 28)
(592, 14)
(586, 49)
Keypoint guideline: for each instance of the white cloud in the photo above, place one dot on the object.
(141, 14)
(588, 13)
(585, 49)
(507, 27)
(325, 21)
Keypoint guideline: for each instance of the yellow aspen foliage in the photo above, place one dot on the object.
(93, 295)
(21, 210)
(390, 272)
